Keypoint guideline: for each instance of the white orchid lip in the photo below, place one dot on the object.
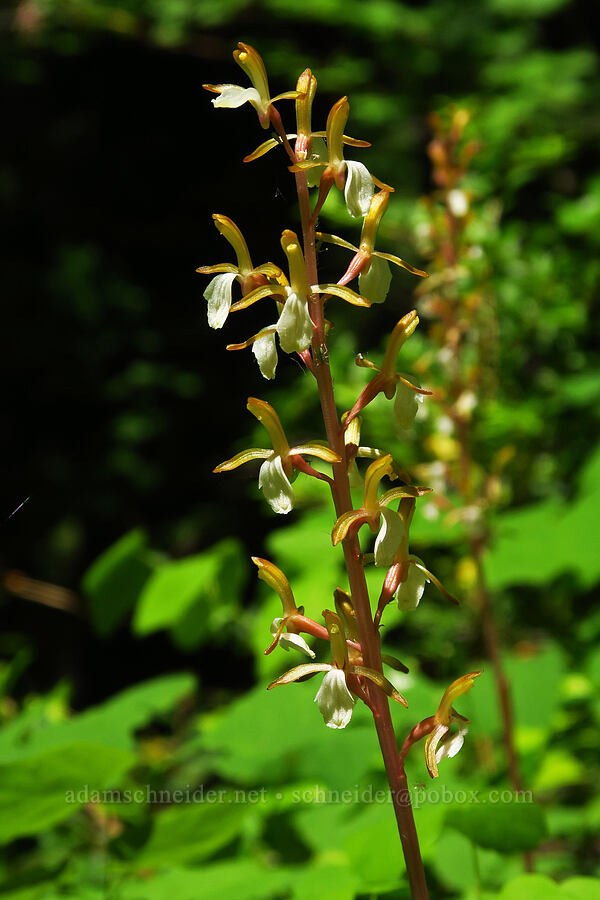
(410, 591)
(335, 701)
(389, 538)
(232, 96)
(218, 293)
(275, 485)
(289, 639)
(295, 326)
(265, 352)
(359, 189)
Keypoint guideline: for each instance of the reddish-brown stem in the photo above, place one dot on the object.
(368, 633)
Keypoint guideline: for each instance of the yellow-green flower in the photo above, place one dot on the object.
(440, 743)
(232, 95)
(277, 470)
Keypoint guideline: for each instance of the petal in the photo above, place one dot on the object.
(449, 747)
(275, 485)
(431, 745)
(243, 457)
(262, 149)
(400, 262)
(410, 591)
(354, 517)
(295, 327)
(218, 294)
(289, 639)
(299, 672)
(358, 189)
(265, 351)
(220, 267)
(335, 700)
(405, 406)
(389, 538)
(374, 284)
(321, 451)
(334, 239)
(266, 290)
(232, 95)
(345, 293)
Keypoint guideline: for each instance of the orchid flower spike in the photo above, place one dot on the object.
(389, 525)
(390, 382)
(232, 95)
(348, 175)
(294, 325)
(285, 628)
(219, 291)
(277, 470)
(334, 697)
(440, 744)
(371, 266)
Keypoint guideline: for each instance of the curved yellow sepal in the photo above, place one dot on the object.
(243, 457)
(267, 290)
(321, 451)
(397, 493)
(461, 686)
(274, 577)
(234, 236)
(401, 262)
(219, 267)
(345, 293)
(334, 239)
(375, 472)
(263, 148)
(299, 672)
(267, 416)
(345, 521)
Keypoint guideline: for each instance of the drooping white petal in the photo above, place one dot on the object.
(289, 639)
(295, 327)
(218, 294)
(318, 153)
(359, 188)
(232, 96)
(406, 405)
(265, 352)
(375, 284)
(275, 485)
(335, 700)
(449, 747)
(410, 591)
(389, 537)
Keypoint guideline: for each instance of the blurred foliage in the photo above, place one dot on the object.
(131, 658)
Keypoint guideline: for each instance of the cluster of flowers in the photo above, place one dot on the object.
(320, 156)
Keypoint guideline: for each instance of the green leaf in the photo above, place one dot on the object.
(498, 823)
(531, 887)
(42, 790)
(112, 724)
(239, 878)
(536, 544)
(580, 889)
(113, 582)
(334, 880)
(190, 833)
(196, 597)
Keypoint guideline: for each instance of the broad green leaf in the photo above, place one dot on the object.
(188, 833)
(531, 887)
(113, 582)
(241, 879)
(580, 888)
(112, 724)
(535, 544)
(559, 768)
(196, 597)
(332, 879)
(41, 791)
(498, 823)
